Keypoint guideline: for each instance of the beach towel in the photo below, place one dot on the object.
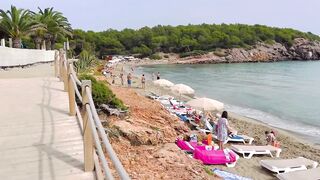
(227, 175)
(236, 137)
(182, 117)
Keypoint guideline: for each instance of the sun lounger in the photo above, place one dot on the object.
(288, 165)
(310, 174)
(227, 175)
(249, 151)
(226, 156)
(238, 138)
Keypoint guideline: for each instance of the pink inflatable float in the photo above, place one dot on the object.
(227, 157)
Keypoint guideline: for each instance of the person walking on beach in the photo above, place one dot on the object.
(143, 81)
(158, 76)
(121, 77)
(222, 129)
(129, 80)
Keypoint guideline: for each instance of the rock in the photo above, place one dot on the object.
(302, 49)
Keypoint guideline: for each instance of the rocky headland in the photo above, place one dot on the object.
(301, 49)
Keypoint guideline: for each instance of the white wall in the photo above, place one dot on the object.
(16, 57)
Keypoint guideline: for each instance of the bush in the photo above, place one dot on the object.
(166, 56)
(155, 57)
(192, 53)
(102, 94)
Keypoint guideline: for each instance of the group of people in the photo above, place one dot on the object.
(223, 130)
(129, 77)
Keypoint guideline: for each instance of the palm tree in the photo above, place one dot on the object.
(56, 25)
(16, 24)
(38, 35)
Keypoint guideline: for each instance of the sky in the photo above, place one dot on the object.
(99, 15)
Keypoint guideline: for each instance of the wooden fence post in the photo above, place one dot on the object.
(87, 131)
(65, 73)
(71, 92)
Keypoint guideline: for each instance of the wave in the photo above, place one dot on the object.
(310, 132)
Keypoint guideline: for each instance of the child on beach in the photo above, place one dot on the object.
(270, 137)
(113, 79)
(143, 81)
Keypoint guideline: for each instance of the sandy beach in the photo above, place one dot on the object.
(291, 144)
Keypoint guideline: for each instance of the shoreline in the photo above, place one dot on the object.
(299, 137)
(146, 118)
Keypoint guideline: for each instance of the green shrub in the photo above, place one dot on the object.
(192, 53)
(155, 57)
(166, 56)
(85, 62)
(102, 94)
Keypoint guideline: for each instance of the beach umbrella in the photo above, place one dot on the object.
(206, 104)
(163, 83)
(182, 89)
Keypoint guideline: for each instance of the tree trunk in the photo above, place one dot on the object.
(16, 43)
(53, 44)
(48, 44)
(38, 41)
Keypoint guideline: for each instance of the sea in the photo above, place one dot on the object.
(285, 95)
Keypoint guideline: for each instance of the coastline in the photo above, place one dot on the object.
(152, 88)
(291, 145)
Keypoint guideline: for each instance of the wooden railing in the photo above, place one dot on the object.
(96, 141)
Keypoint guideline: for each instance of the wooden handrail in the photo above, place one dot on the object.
(92, 128)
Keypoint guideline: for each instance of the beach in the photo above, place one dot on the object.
(144, 140)
(291, 145)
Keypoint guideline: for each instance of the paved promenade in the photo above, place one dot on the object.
(38, 139)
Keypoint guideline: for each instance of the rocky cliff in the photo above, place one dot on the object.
(301, 49)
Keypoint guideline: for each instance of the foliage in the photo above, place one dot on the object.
(102, 94)
(182, 39)
(192, 53)
(56, 25)
(85, 61)
(17, 23)
(155, 57)
(166, 56)
(47, 24)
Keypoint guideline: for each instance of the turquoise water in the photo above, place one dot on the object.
(282, 94)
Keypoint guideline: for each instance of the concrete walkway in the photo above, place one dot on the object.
(38, 139)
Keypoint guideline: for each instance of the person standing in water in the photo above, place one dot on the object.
(153, 76)
(158, 76)
(129, 80)
(143, 81)
(222, 129)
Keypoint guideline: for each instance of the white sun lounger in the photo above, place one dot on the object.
(244, 139)
(310, 174)
(249, 151)
(288, 165)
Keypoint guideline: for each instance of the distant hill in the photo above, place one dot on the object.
(183, 39)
